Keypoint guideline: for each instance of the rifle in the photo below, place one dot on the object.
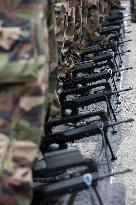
(105, 59)
(89, 68)
(45, 192)
(114, 23)
(56, 162)
(81, 131)
(73, 104)
(99, 49)
(117, 17)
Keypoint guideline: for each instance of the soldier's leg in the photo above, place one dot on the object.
(104, 8)
(133, 10)
(21, 116)
(22, 105)
(93, 26)
(115, 3)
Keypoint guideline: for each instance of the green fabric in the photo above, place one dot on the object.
(17, 71)
(22, 130)
(70, 29)
(12, 3)
(25, 69)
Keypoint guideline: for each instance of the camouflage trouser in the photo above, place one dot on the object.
(93, 26)
(104, 8)
(116, 2)
(21, 110)
(133, 10)
(24, 54)
(52, 95)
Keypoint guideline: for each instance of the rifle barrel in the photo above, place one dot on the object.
(129, 68)
(112, 174)
(120, 91)
(120, 122)
(124, 41)
(123, 52)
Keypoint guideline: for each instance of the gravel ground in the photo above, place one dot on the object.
(119, 190)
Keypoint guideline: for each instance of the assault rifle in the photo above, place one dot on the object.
(97, 50)
(46, 192)
(89, 68)
(54, 161)
(114, 23)
(80, 132)
(78, 127)
(80, 101)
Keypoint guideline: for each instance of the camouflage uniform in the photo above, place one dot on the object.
(73, 35)
(65, 20)
(78, 22)
(104, 8)
(93, 25)
(53, 61)
(57, 28)
(61, 7)
(78, 28)
(23, 84)
(133, 10)
(90, 21)
(115, 3)
(84, 21)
